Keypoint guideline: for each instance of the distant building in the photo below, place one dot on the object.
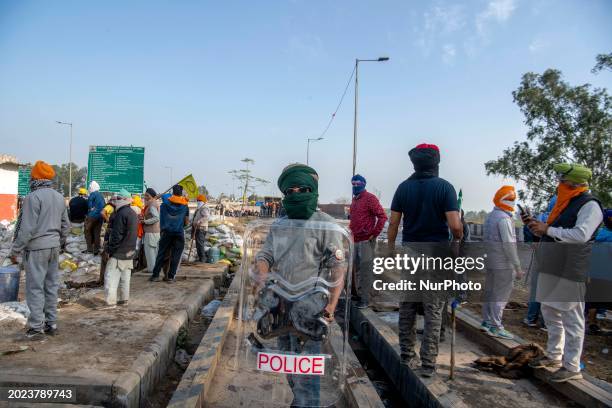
(338, 211)
(9, 174)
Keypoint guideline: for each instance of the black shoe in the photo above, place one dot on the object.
(122, 303)
(594, 330)
(154, 279)
(50, 329)
(411, 362)
(427, 371)
(35, 335)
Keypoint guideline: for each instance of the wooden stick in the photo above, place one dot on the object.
(194, 237)
(452, 356)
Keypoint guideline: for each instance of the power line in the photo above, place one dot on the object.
(333, 116)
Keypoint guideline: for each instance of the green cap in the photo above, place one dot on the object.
(574, 173)
(124, 193)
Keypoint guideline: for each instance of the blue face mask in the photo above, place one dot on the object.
(358, 190)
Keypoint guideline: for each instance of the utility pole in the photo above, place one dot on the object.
(69, 157)
(357, 61)
(308, 148)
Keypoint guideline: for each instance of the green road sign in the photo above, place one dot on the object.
(116, 167)
(23, 181)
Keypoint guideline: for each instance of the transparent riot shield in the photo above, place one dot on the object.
(294, 274)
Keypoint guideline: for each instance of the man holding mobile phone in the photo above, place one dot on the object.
(562, 260)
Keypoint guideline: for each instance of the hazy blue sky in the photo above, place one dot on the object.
(203, 84)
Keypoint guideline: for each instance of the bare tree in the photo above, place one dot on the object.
(248, 182)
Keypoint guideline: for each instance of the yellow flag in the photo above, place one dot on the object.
(189, 185)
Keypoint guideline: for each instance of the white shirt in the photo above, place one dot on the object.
(589, 219)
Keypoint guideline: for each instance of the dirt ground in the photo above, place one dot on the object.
(93, 342)
(469, 381)
(597, 362)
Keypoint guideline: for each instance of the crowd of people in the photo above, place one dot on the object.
(426, 204)
(430, 211)
(139, 233)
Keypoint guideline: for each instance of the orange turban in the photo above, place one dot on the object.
(42, 170)
(202, 198)
(505, 198)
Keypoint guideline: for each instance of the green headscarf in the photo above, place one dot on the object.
(574, 173)
(123, 193)
(299, 205)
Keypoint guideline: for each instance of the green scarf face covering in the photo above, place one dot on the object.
(299, 205)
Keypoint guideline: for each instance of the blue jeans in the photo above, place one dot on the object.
(533, 308)
(306, 388)
(533, 311)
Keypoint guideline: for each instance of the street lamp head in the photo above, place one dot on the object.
(320, 138)
(383, 59)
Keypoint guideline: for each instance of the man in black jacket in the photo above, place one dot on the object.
(78, 208)
(121, 248)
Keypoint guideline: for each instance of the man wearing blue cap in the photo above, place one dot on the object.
(368, 219)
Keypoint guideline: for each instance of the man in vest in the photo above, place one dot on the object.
(562, 260)
(150, 225)
(502, 262)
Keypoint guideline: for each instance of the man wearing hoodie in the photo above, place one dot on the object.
(367, 222)
(42, 229)
(429, 207)
(502, 262)
(120, 248)
(174, 216)
(94, 221)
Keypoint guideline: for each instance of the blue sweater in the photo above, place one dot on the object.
(172, 217)
(95, 203)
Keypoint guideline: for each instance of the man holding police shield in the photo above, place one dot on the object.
(304, 251)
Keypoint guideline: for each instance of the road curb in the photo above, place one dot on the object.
(130, 388)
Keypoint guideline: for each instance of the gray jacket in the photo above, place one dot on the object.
(500, 239)
(300, 249)
(44, 221)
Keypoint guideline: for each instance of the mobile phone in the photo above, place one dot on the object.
(525, 213)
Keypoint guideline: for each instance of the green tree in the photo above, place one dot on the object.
(566, 124)
(62, 177)
(604, 61)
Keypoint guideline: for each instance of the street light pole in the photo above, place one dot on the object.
(355, 116)
(308, 148)
(357, 61)
(69, 158)
(170, 168)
